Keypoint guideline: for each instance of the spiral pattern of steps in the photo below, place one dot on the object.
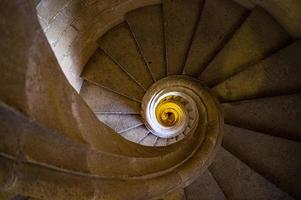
(218, 68)
(245, 56)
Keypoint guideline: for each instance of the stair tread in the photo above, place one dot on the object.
(278, 74)
(259, 36)
(276, 158)
(218, 21)
(102, 71)
(238, 181)
(278, 116)
(100, 100)
(147, 27)
(149, 140)
(205, 187)
(121, 46)
(120, 123)
(161, 142)
(180, 19)
(135, 134)
(171, 140)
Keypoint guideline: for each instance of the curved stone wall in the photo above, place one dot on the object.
(72, 28)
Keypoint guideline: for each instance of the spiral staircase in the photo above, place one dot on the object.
(195, 100)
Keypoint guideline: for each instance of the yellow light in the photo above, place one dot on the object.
(169, 112)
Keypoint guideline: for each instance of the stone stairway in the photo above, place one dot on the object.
(245, 57)
(207, 57)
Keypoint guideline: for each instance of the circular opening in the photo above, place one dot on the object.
(169, 113)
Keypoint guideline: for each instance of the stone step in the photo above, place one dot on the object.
(278, 159)
(218, 21)
(258, 37)
(149, 140)
(102, 71)
(205, 188)
(180, 19)
(120, 123)
(161, 142)
(238, 181)
(277, 116)
(102, 100)
(135, 134)
(278, 74)
(121, 46)
(147, 27)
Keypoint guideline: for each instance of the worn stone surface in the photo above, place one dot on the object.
(147, 27)
(121, 46)
(32, 178)
(278, 116)
(35, 78)
(54, 112)
(161, 142)
(258, 37)
(48, 9)
(9, 134)
(20, 197)
(102, 100)
(7, 177)
(8, 196)
(103, 71)
(119, 122)
(238, 181)
(74, 157)
(204, 188)
(276, 75)
(276, 158)
(98, 16)
(219, 19)
(149, 140)
(180, 19)
(135, 134)
(177, 195)
(87, 11)
(287, 13)
(46, 83)
(90, 19)
(80, 159)
(55, 24)
(246, 3)
(95, 164)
